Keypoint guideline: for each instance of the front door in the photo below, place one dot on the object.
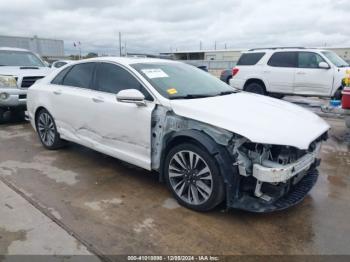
(309, 78)
(124, 129)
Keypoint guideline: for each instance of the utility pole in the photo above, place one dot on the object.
(215, 45)
(120, 44)
(200, 45)
(125, 53)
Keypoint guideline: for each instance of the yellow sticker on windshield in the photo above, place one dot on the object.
(172, 91)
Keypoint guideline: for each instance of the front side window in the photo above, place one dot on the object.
(80, 75)
(112, 79)
(182, 81)
(309, 60)
(335, 59)
(19, 58)
(250, 58)
(283, 59)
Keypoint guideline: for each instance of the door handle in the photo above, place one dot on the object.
(301, 73)
(58, 92)
(97, 100)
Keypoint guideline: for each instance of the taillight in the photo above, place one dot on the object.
(235, 71)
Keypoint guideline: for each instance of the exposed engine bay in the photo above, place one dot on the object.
(257, 176)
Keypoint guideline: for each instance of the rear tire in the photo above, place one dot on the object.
(47, 131)
(194, 178)
(255, 88)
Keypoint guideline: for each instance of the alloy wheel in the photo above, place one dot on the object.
(190, 177)
(46, 129)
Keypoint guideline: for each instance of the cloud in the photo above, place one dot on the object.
(155, 26)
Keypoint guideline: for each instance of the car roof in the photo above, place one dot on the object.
(13, 49)
(128, 60)
(281, 49)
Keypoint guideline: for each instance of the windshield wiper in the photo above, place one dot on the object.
(190, 96)
(227, 93)
(343, 66)
(29, 67)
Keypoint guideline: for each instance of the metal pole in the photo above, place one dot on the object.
(120, 44)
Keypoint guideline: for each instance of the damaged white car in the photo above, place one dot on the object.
(209, 142)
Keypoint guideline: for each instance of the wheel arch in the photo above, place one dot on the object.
(254, 80)
(228, 171)
(38, 109)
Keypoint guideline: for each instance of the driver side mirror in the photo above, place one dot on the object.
(323, 65)
(132, 96)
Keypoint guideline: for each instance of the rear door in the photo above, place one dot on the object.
(280, 71)
(73, 103)
(309, 78)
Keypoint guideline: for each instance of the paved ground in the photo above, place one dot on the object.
(114, 208)
(25, 230)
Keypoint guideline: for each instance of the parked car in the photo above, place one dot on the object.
(60, 63)
(19, 69)
(171, 117)
(226, 75)
(204, 68)
(290, 71)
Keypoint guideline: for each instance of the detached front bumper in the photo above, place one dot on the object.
(274, 173)
(13, 97)
(285, 196)
(274, 187)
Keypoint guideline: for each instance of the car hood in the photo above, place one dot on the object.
(17, 71)
(260, 119)
(343, 71)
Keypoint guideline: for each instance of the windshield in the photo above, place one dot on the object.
(178, 80)
(18, 58)
(335, 59)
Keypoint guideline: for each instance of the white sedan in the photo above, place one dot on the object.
(209, 142)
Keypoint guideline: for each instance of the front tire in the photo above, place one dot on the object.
(47, 131)
(338, 95)
(2, 115)
(192, 175)
(255, 88)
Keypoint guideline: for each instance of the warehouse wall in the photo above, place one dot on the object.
(44, 47)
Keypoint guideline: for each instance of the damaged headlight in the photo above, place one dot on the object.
(8, 81)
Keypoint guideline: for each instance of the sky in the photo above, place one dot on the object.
(153, 26)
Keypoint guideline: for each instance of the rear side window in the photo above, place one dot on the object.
(60, 64)
(59, 78)
(80, 75)
(250, 58)
(283, 59)
(112, 79)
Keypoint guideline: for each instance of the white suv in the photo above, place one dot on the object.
(19, 69)
(290, 71)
